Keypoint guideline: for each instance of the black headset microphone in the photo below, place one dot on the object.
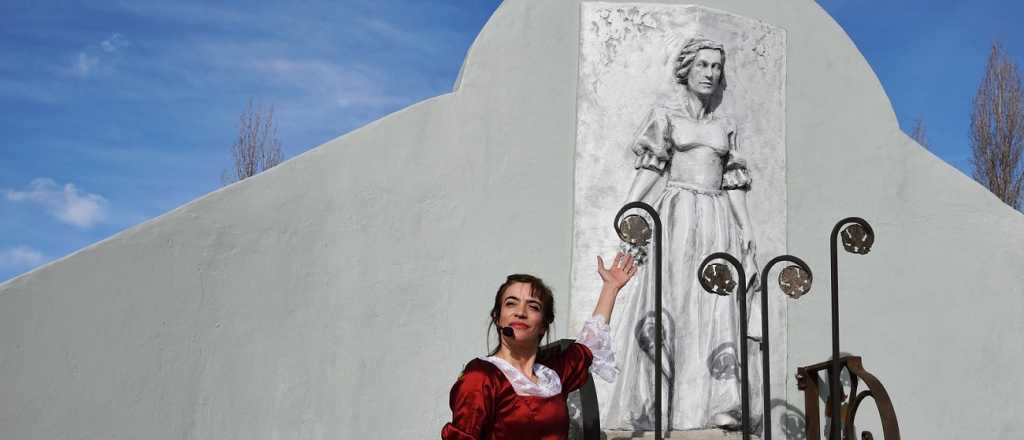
(505, 331)
(508, 331)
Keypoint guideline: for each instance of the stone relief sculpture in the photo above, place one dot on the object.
(703, 206)
(682, 107)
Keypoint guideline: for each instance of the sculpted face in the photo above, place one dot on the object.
(706, 72)
(522, 312)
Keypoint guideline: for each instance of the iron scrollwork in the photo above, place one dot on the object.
(634, 230)
(857, 237)
(716, 278)
(807, 381)
(794, 281)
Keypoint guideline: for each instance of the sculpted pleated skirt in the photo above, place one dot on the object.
(700, 370)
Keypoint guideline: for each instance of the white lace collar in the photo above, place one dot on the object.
(548, 383)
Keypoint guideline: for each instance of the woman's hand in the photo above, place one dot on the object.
(623, 268)
(620, 272)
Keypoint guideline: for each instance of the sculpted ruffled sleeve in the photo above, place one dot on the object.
(596, 335)
(651, 142)
(472, 403)
(736, 175)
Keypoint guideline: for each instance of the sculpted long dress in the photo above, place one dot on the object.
(700, 161)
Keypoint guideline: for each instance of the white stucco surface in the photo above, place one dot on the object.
(338, 295)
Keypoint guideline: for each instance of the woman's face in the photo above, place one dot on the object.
(706, 72)
(522, 312)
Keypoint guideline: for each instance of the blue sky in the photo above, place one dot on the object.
(117, 112)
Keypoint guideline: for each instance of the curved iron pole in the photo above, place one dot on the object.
(766, 386)
(657, 303)
(742, 295)
(835, 390)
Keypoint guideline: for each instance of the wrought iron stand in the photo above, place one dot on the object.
(633, 229)
(716, 278)
(795, 280)
(807, 381)
(857, 237)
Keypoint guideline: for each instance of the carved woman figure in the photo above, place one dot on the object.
(703, 208)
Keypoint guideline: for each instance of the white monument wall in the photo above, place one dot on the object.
(337, 296)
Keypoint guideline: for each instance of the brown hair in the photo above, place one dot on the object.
(538, 290)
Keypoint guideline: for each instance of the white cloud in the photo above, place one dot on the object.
(348, 86)
(67, 203)
(20, 256)
(97, 58)
(398, 34)
(113, 43)
(85, 64)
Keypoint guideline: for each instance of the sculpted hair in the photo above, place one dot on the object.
(538, 290)
(688, 54)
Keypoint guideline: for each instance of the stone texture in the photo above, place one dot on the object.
(627, 62)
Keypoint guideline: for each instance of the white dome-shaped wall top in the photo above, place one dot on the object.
(339, 294)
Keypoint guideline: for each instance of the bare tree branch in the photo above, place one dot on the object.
(918, 133)
(257, 148)
(997, 129)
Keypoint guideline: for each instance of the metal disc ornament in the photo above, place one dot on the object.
(794, 281)
(635, 230)
(718, 278)
(857, 239)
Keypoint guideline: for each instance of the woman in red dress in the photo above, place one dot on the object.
(513, 394)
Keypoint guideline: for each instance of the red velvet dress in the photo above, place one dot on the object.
(486, 407)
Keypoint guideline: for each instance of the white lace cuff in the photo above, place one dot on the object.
(596, 335)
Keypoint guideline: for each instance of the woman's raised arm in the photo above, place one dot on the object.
(622, 269)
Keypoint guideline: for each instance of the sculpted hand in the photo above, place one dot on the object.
(748, 244)
(620, 272)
